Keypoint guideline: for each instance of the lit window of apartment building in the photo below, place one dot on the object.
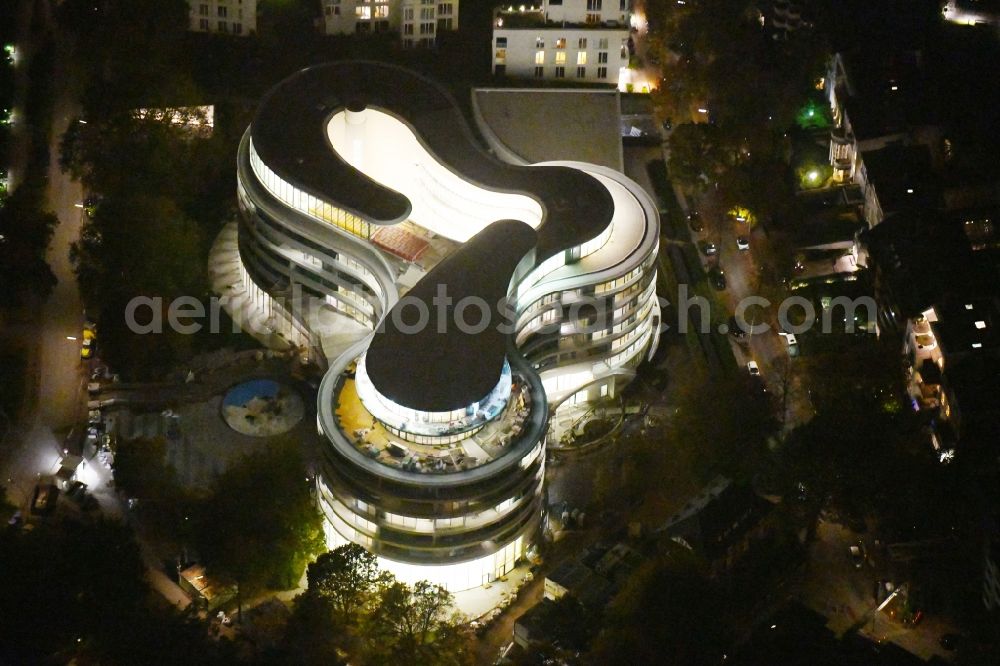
(582, 32)
(418, 22)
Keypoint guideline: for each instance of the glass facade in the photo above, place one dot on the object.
(307, 203)
(468, 524)
(448, 426)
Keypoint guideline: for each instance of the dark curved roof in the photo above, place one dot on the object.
(289, 134)
(440, 370)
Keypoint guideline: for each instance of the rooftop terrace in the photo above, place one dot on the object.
(373, 440)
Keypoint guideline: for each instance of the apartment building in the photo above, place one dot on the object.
(418, 22)
(591, 54)
(225, 17)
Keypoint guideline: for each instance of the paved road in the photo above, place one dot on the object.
(59, 401)
(779, 370)
(833, 587)
(636, 159)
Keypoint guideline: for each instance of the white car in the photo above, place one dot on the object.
(791, 342)
(742, 243)
(753, 369)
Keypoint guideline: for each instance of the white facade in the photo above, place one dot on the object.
(455, 497)
(587, 11)
(228, 17)
(581, 54)
(417, 21)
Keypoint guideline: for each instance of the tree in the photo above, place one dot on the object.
(718, 426)
(259, 525)
(139, 245)
(759, 183)
(667, 612)
(142, 473)
(312, 636)
(130, 53)
(416, 625)
(347, 578)
(76, 592)
(5, 506)
(696, 154)
(25, 232)
(353, 608)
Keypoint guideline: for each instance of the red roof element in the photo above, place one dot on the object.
(400, 242)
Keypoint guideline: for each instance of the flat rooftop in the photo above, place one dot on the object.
(289, 133)
(438, 366)
(542, 125)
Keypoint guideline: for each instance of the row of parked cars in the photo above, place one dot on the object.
(716, 275)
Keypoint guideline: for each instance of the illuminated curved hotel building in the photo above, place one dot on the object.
(362, 187)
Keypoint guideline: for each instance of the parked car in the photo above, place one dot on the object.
(857, 558)
(44, 499)
(790, 342)
(737, 331)
(718, 278)
(707, 249)
(694, 221)
(742, 243)
(753, 369)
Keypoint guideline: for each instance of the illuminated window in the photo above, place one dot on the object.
(980, 325)
(381, 11)
(581, 58)
(364, 13)
(560, 57)
(540, 58)
(561, 43)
